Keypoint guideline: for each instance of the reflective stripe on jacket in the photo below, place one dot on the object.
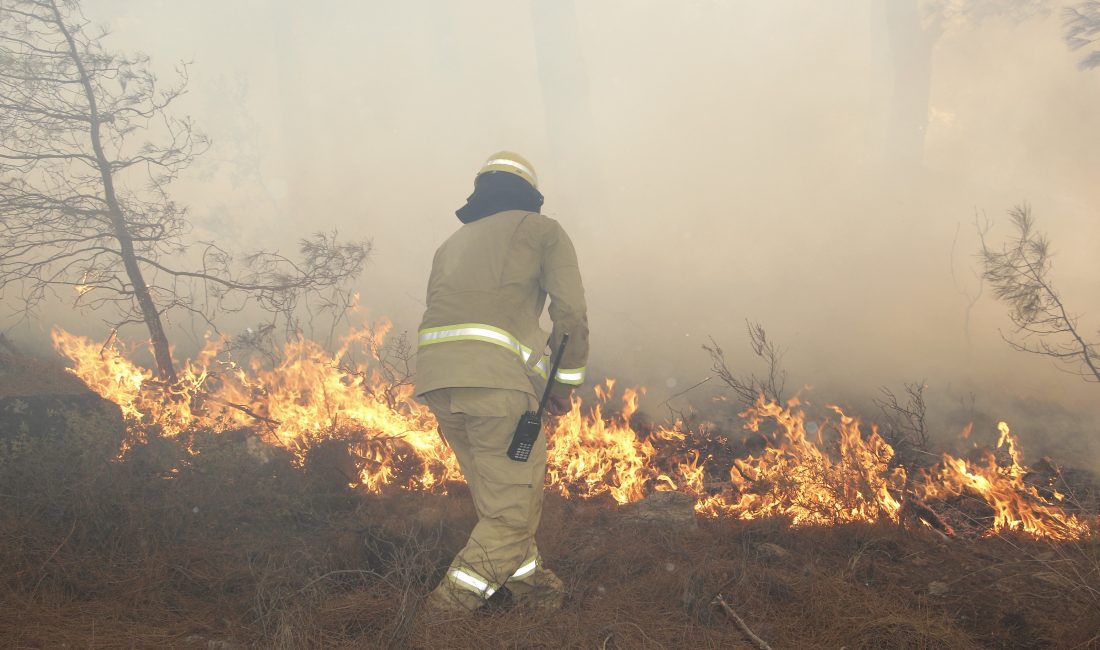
(488, 286)
(497, 336)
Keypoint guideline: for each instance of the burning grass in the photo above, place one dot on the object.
(843, 472)
(223, 526)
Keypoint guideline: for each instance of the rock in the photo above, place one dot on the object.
(769, 551)
(937, 588)
(666, 508)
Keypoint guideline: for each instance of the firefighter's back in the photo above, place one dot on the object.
(483, 304)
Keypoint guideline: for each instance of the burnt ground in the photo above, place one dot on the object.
(219, 550)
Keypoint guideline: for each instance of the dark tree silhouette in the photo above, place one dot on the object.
(88, 151)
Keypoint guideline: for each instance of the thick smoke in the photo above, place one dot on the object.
(816, 167)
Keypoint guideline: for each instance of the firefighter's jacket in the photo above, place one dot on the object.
(486, 293)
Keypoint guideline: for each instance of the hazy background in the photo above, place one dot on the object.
(813, 166)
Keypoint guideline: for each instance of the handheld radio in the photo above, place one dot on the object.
(530, 424)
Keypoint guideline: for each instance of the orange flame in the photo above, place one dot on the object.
(1017, 505)
(591, 455)
(798, 480)
(308, 397)
(808, 477)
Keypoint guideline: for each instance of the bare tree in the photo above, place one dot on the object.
(749, 387)
(89, 149)
(1082, 24)
(1019, 274)
(904, 424)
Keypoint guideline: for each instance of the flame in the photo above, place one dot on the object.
(1017, 506)
(590, 454)
(798, 480)
(822, 473)
(309, 396)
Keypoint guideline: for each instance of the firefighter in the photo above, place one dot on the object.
(481, 361)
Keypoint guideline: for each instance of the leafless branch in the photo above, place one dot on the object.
(394, 360)
(903, 424)
(748, 387)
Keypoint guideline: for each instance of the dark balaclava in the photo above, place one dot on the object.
(496, 192)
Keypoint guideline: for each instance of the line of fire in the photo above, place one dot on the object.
(842, 472)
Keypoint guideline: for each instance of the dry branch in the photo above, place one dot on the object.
(749, 634)
(747, 388)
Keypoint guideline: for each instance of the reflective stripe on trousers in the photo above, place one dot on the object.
(496, 336)
(472, 582)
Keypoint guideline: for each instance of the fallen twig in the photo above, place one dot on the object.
(749, 634)
(610, 636)
(243, 409)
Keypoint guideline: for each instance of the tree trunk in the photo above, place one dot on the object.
(161, 351)
(911, 44)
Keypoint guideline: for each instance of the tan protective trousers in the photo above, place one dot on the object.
(478, 424)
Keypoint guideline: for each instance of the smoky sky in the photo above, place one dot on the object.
(816, 167)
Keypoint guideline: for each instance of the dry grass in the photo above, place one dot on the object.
(219, 551)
